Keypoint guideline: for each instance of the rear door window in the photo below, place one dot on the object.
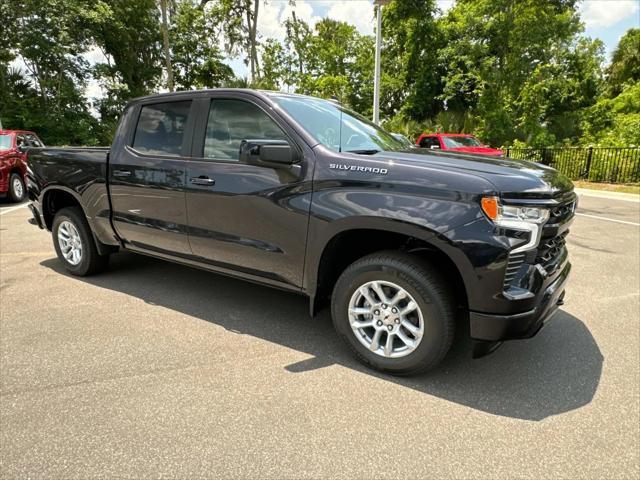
(161, 127)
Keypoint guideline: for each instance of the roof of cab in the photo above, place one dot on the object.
(8, 131)
(204, 91)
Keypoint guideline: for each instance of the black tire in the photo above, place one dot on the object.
(424, 284)
(91, 261)
(17, 188)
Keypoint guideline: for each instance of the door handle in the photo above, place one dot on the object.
(202, 180)
(121, 173)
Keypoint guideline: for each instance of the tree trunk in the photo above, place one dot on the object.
(296, 43)
(165, 45)
(252, 50)
(254, 39)
(249, 46)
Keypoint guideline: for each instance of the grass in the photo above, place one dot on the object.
(610, 187)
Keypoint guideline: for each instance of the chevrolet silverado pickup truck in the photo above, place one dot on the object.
(408, 246)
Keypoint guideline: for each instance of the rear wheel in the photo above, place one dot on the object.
(17, 189)
(395, 312)
(74, 244)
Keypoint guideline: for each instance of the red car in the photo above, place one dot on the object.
(13, 162)
(456, 142)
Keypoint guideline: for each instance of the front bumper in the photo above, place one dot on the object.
(495, 328)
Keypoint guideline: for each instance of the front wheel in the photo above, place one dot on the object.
(17, 189)
(74, 244)
(395, 312)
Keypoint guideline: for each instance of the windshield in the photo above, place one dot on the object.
(5, 142)
(456, 142)
(321, 118)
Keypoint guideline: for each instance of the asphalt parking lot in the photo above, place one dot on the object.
(159, 370)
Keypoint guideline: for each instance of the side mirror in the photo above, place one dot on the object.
(434, 147)
(268, 153)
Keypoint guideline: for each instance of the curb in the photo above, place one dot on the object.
(627, 197)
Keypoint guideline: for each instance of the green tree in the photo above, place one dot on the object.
(48, 38)
(551, 101)
(197, 58)
(276, 65)
(625, 62)
(411, 80)
(240, 27)
(128, 34)
(493, 48)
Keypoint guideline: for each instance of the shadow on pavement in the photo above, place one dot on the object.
(557, 371)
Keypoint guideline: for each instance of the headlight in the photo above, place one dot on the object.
(526, 219)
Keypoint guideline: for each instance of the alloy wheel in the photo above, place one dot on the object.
(70, 242)
(16, 186)
(386, 319)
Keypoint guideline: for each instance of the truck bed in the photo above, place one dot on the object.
(80, 171)
(69, 166)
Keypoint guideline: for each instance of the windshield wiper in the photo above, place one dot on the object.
(370, 151)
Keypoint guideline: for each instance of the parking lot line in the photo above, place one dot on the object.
(608, 219)
(12, 209)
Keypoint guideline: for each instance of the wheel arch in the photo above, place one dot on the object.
(57, 197)
(343, 246)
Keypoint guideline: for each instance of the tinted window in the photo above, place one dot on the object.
(230, 122)
(160, 128)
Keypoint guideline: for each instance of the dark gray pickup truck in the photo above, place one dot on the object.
(299, 193)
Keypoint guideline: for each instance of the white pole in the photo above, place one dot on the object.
(376, 75)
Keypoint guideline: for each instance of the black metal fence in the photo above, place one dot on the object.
(594, 164)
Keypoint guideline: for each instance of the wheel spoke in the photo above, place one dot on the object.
(415, 331)
(400, 294)
(362, 324)
(406, 340)
(375, 341)
(410, 307)
(359, 310)
(388, 346)
(380, 292)
(364, 291)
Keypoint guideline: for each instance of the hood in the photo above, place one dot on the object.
(518, 179)
(477, 150)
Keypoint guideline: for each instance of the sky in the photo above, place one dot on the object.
(604, 19)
